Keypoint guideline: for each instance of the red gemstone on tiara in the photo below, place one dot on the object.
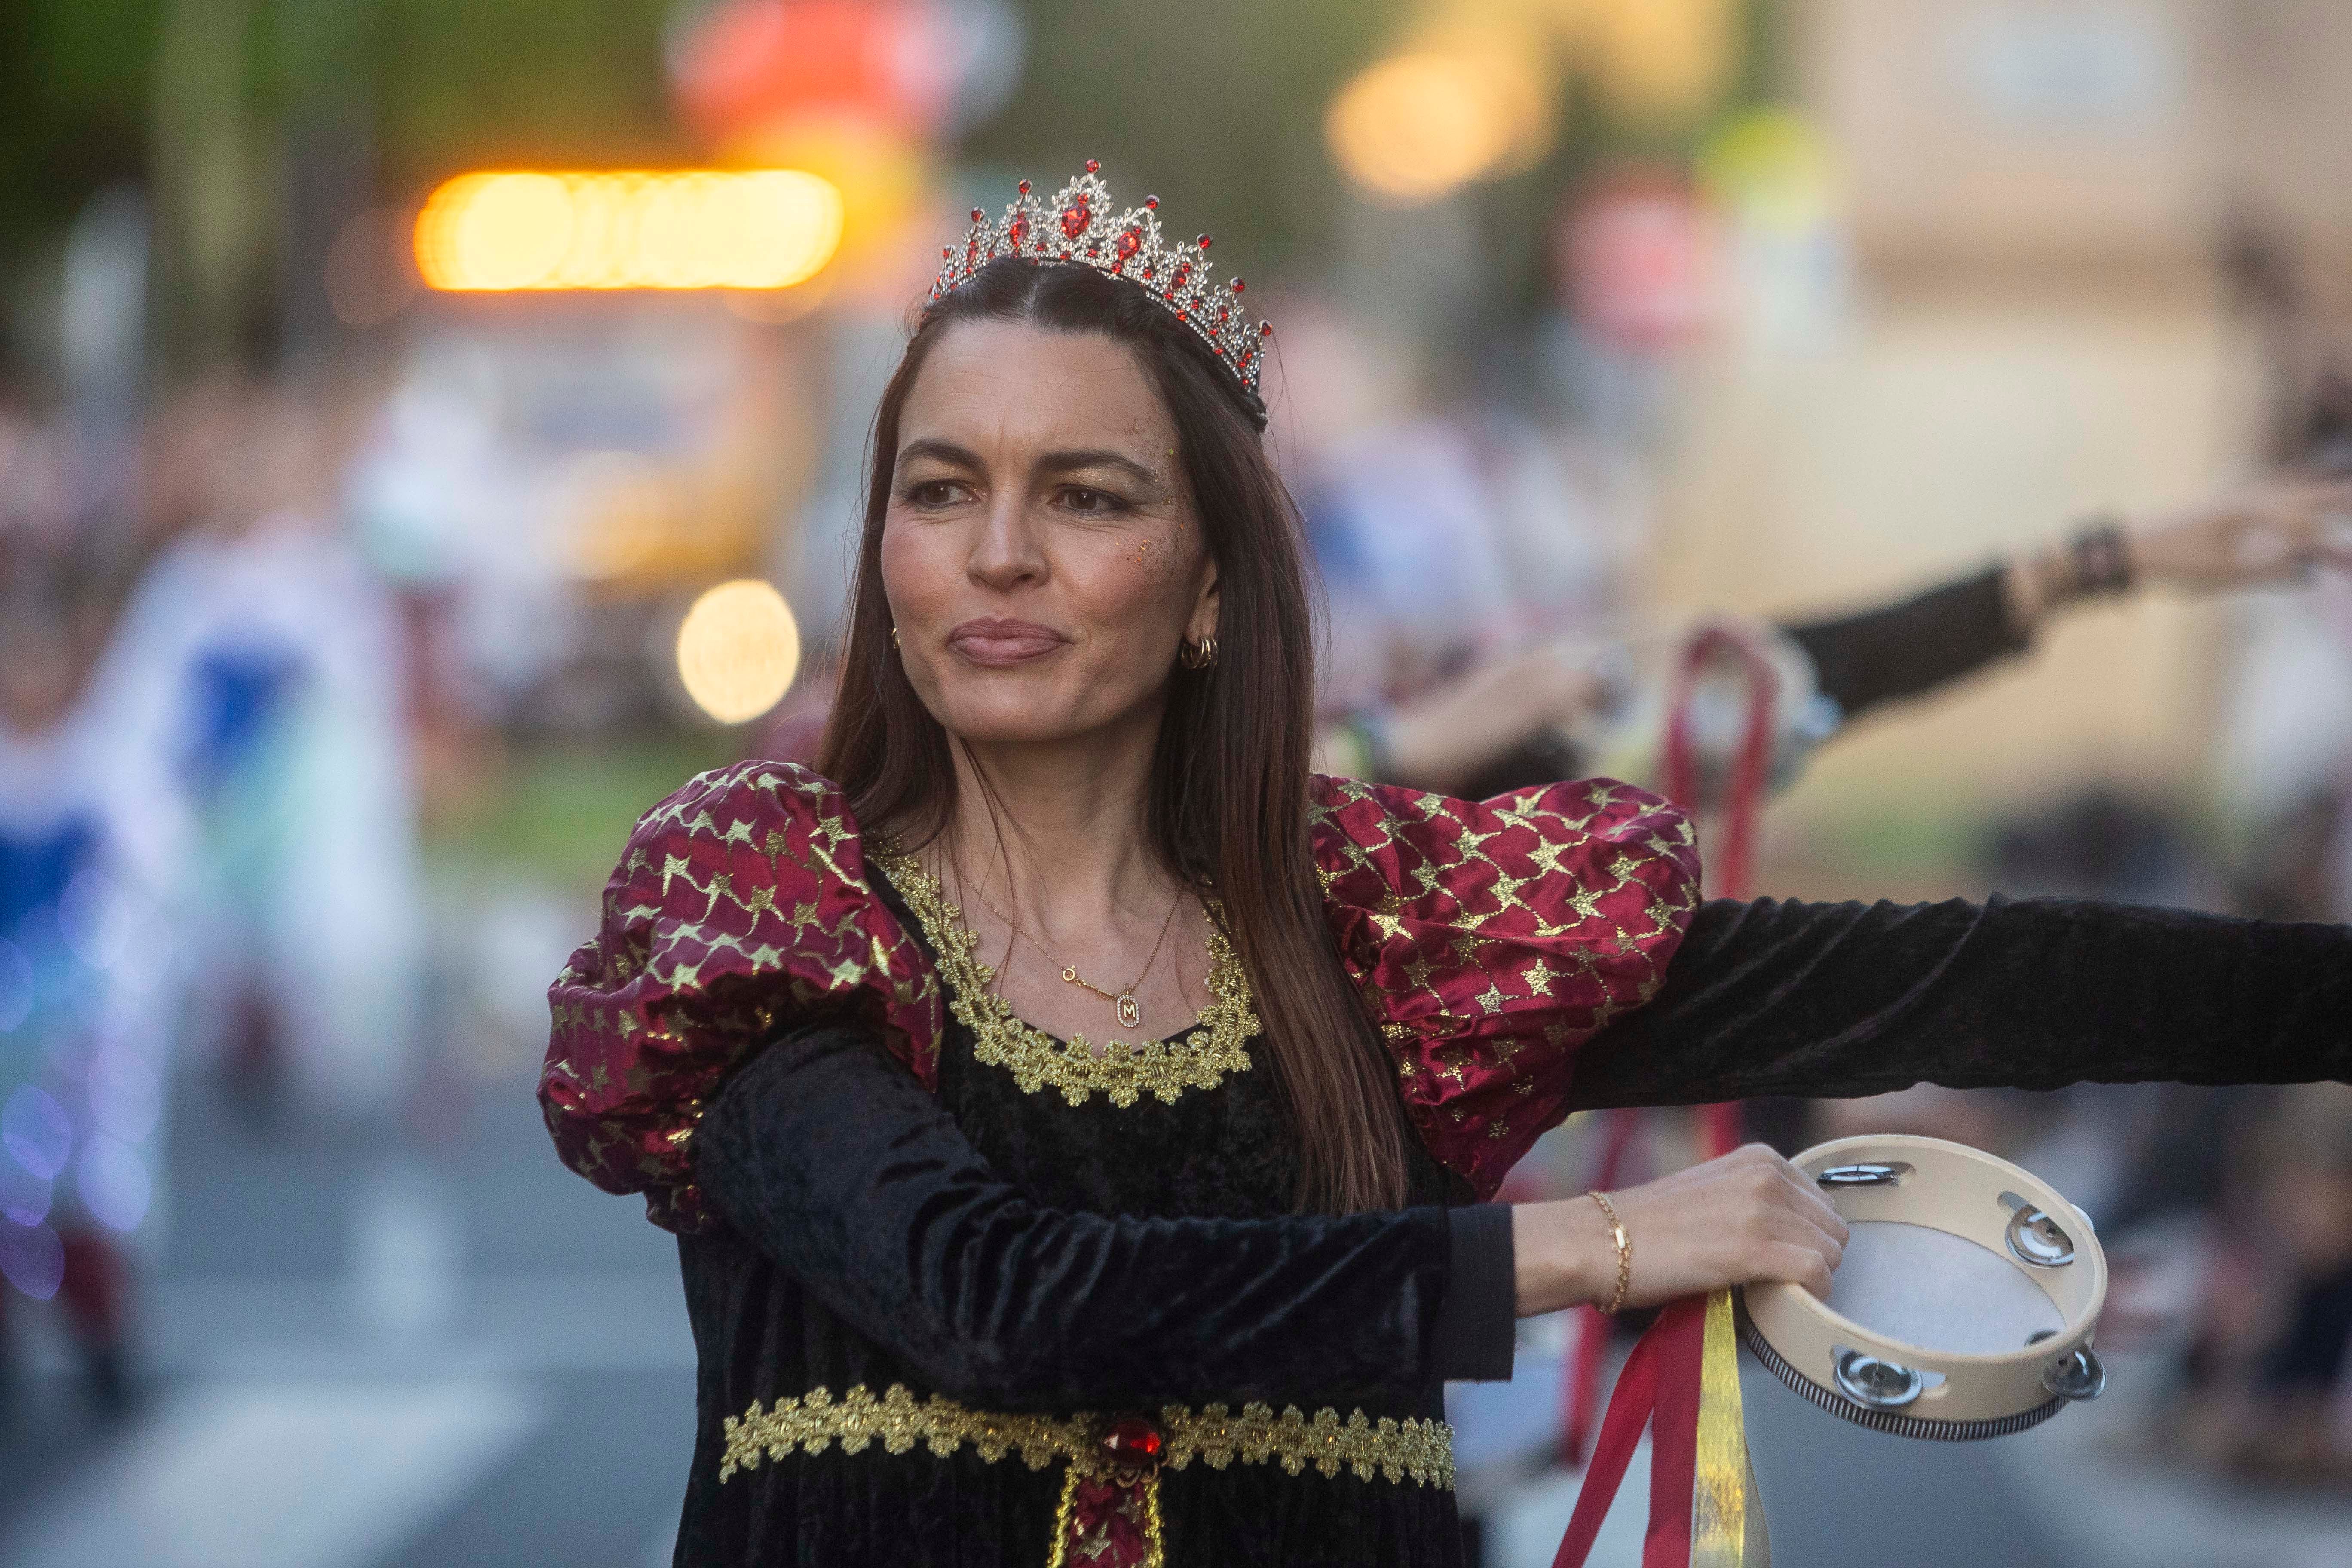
(1151, 203)
(1129, 242)
(1024, 187)
(1265, 329)
(1093, 167)
(947, 253)
(1018, 232)
(1075, 218)
(977, 215)
(1239, 285)
(1205, 242)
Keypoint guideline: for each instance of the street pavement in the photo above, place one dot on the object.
(367, 1352)
(444, 1348)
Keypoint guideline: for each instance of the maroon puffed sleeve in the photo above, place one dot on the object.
(1491, 939)
(740, 904)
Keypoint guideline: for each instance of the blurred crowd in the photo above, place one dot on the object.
(207, 823)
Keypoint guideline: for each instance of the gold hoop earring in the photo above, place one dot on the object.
(1198, 654)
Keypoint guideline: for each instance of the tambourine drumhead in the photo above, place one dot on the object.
(1965, 1304)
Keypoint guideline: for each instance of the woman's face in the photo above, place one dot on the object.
(1040, 550)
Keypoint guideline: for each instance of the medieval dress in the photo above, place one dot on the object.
(963, 1293)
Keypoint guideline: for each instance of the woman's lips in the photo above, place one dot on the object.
(997, 644)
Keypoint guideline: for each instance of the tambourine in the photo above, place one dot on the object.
(1964, 1307)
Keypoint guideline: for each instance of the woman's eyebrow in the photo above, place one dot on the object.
(1065, 462)
(941, 451)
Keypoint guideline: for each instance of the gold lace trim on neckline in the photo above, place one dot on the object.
(1416, 1450)
(1200, 1059)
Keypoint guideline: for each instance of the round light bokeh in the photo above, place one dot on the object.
(738, 650)
(1415, 126)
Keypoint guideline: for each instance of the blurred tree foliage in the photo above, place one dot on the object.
(1216, 105)
(202, 102)
(73, 108)
(443, 82)
(213, 105)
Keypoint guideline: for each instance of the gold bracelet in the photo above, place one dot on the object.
(1617, 1234)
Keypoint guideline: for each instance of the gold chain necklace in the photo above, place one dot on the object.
(1122, 1001)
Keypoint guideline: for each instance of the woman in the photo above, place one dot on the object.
(968, 1288)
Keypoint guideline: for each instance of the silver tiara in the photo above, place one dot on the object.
(1080, 226)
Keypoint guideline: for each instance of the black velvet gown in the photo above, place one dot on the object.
(1338, 1318)
(1006, 1299)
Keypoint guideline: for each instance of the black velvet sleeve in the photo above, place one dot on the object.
(1903, 649)
(850, 1176)
(1477, 1325)
(1837, 1000)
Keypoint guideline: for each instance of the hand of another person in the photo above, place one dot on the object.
(1442, 739)
(1745, 1216)
(2263, 531)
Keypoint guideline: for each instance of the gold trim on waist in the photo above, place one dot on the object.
(1421, 1450)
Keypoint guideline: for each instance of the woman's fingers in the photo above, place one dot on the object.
(1807, 1201)
(1802, 1266)
(1775, 1180)
(1794, 1227)
(2261, 532)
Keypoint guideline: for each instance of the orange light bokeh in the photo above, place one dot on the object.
(498, 230)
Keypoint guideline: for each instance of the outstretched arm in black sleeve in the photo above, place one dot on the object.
(1915, 645)
(1783, 998)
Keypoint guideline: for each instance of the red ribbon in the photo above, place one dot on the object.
(1658, 1389)
(1660, 1385)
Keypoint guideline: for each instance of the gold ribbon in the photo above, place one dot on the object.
(1727, 1518)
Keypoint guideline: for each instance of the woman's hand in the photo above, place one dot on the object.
(1745, 1216)
(2261, 532)
(2264, 532)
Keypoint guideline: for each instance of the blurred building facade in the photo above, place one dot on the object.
(2053, 210)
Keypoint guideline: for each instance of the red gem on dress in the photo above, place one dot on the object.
(1133, 1441)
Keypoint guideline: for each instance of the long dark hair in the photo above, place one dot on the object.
(1228, 807)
